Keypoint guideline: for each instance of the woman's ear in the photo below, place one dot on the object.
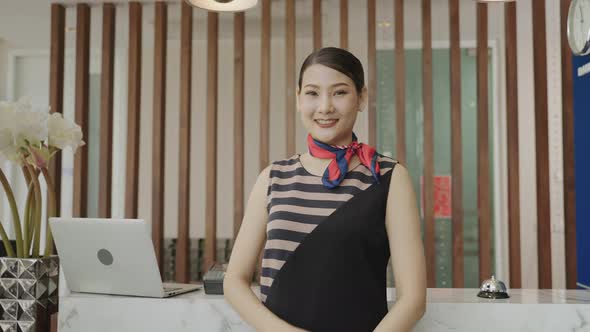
(363, 99)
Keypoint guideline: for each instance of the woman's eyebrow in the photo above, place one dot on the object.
(332, 86)
(339, 84)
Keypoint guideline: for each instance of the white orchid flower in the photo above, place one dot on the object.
(63, 133)
(30, 124)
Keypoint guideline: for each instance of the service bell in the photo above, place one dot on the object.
(493, 289)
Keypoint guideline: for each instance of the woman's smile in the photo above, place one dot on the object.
(326, 123)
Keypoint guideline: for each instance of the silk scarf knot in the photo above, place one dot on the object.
(341, 156)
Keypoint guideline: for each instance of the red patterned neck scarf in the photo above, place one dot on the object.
(341, 156)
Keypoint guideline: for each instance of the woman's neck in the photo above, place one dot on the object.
(342, 142)
(317, 166)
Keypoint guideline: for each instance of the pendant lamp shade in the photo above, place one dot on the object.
(224, 5)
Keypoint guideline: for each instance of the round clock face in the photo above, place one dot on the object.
(578, 27)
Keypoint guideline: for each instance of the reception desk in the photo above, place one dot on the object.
(448, 310)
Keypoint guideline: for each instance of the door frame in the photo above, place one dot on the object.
(499, 137)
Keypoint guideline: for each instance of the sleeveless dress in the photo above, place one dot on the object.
(327, 250)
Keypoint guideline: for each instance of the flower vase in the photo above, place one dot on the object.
(28, 293)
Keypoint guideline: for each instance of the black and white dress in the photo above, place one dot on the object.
(327, 250)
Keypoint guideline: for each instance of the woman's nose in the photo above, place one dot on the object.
(326, 105)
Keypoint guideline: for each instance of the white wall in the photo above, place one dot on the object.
(31, 32)
(2, 97)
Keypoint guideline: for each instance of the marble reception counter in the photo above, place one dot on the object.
(449, 309)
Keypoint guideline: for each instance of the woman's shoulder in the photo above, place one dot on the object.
(282, 165)
(294, 159)
(386, 163)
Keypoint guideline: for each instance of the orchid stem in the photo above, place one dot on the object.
(15, 216)
(50, 213)
(38, 207)
(28, 215)
(6, 242)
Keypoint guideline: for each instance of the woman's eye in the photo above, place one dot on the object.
(341, 92)
(311, 93)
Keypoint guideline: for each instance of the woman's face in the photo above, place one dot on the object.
(328, 103)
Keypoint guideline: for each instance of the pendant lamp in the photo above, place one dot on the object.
(224, 5)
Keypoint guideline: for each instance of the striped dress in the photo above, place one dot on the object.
(323, 241)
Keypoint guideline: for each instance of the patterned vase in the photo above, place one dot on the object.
(28, 293)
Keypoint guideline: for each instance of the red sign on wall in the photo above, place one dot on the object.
(442, 196)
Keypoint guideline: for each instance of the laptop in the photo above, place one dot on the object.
(111, 256)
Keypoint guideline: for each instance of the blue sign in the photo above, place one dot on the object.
(582, 165)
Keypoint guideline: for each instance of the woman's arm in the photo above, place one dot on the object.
(407, 254)
(244, 258)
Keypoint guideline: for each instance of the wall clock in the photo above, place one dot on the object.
(578, 27)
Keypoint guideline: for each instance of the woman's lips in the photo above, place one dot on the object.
(327, 123)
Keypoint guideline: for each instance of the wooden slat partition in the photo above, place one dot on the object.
(428, 191)
(106, 110)
(56, 86)
(159, 130)
(290, 75)
(184, 143)
(372, 72)
(80, 204)
(344, 24)
(133, 109)
(239, 53)
(513, 145)
(400, 81)
(542, 145)
(317, 24)
(456, 148)
(483, 147)
(211, 208)
(569, 179)
(265, 83)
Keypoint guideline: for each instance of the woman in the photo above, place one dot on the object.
(328, 221)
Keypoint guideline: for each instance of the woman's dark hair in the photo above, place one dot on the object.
(337, 59)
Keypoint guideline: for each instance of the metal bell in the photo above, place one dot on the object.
(493, 289)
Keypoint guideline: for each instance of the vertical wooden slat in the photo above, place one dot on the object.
(80, 206)
(428, 191)
(542, 145)
(317, 24)
(211, 208)
(56, 86)
(483, 148)
(456, 153)
(372, 72)
(56, 93)
(184, 143)
(513, 145)
(54, 321)
(133, 109)
(106, 110)
(400, 82)
(290, 75)
(239, 40)
(265, 84)
(159, 130)
(344, 24)
(569, 179)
